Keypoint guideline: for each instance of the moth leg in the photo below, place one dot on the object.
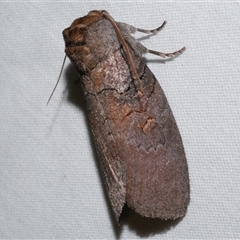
(163, 55)
(127, 29)
(131, 29)
(153, 31)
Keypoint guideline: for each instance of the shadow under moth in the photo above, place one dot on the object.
(138, 143)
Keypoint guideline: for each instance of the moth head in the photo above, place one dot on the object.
(74, 35)
(89, 39)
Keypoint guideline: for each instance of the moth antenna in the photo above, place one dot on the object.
(128, 54)
(57, 80)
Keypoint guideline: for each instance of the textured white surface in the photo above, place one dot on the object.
(50, 184)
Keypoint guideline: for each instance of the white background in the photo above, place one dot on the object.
(50, 183)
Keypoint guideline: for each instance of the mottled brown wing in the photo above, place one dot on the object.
(139, 145)
(108, 152)
(157, 183)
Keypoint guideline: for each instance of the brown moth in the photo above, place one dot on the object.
(137, 139)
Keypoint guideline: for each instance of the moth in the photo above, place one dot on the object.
(138, 143)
